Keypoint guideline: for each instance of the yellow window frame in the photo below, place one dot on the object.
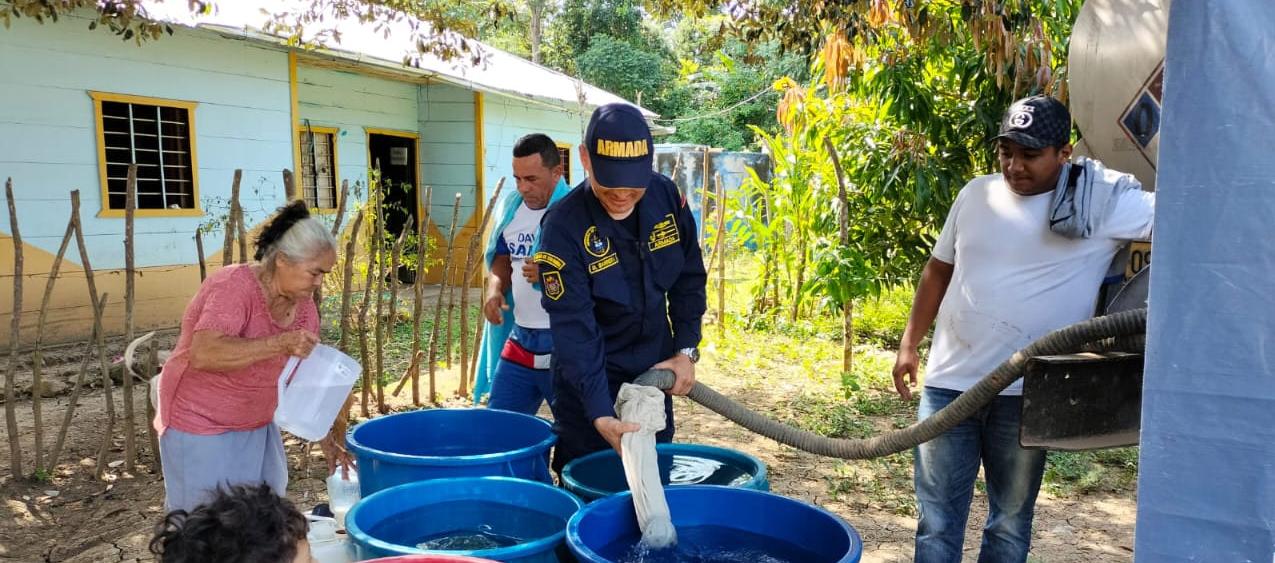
(566, 164)
(189, 106)
(336, 167)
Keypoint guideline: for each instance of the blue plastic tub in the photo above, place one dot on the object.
(438, 443)
(726, 522)
(430, 559)
(498, 518)
(601, 474)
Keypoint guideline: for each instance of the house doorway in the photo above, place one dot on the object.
(394, 154)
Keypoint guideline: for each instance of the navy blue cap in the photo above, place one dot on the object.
(620, 146)
(1037, 122)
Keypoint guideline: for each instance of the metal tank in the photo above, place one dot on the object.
(1116, 78)
(1116, 86)
(1115, 82)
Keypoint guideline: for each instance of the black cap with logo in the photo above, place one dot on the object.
(620, 146)
(1037, 122)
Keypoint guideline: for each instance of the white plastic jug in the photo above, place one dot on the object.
(312, 391)
(326, 544)
(342, 494)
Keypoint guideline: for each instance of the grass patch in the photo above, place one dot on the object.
(828, 405)
(885, 481)
(1074, 473)
(881, 320)
(827, 416)
(881, 483)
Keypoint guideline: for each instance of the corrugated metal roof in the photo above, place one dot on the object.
(362, 43)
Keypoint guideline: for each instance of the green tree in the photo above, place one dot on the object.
(725, 85)
(905, 97)
(522, 29)
(579, 22)
(620, 68)
(616, 45)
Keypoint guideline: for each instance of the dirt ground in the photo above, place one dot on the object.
(74, 518)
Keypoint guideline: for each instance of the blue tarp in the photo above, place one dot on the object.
(1206, 489)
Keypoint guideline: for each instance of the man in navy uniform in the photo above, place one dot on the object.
(623, 281)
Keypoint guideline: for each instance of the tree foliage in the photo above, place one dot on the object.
(125, 18)
(620, 68)
(909, 98)
(724, 85)
(614, 44)
(440, 28)
(579, 22)
(517, 33)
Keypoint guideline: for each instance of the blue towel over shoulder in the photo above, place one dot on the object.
(1079, 208)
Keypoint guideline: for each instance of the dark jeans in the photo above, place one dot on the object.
(945, 471)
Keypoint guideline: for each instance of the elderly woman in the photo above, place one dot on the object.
(218, 392)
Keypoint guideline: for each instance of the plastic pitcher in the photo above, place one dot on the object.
(342, 494)
(326, 545)
(312, 391)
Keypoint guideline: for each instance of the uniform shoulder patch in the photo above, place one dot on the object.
(548, 259)
(552, 282)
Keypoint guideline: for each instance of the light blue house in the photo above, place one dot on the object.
(77, 106)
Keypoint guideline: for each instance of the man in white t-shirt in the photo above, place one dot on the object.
(521, 380)
(998, 279)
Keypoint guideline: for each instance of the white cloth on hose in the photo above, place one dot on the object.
(644, 406)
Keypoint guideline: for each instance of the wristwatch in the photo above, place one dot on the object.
(692, 353)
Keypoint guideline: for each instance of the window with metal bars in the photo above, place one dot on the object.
(158, 138)
(564, 153)
(318, 167)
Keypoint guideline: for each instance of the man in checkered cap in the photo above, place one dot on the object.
(1022, 253)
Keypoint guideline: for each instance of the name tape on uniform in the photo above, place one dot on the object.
(604, 263)
(548, 259)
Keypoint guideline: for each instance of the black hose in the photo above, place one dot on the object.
(1108, 332)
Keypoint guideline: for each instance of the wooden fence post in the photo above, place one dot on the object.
(289, 193)
(228, 250)
(380, 301)
(15, 324)
(148, 371)
(340, 207)
(475, 242)
(126, 380)
(107, 385)
(438, 306)
(368, 369)
(199, 248)
(241, 232)
(89, 350)
(347, 279)
(37, 360)
(418, 288)
(719, 255)
(396, 252)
